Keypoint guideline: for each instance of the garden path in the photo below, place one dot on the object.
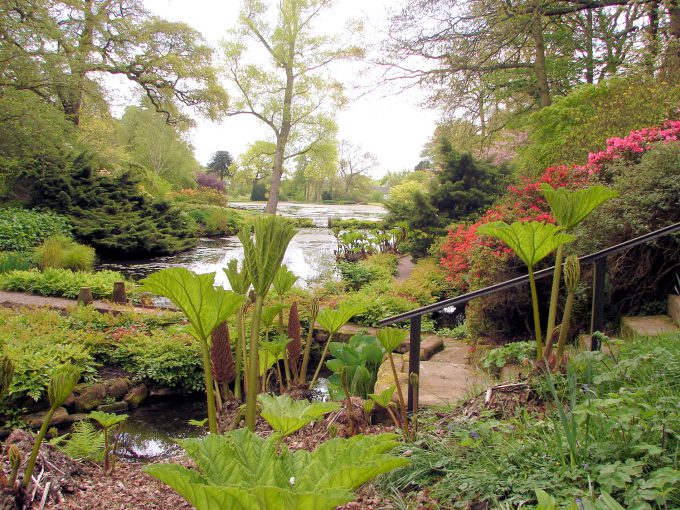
(405, 268)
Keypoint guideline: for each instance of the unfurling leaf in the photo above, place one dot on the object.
(62, 383)
(383, 398)
(239, 280)
(242, 471)
(221, 356)
(571, 207)
(284, 280)
(286, 415)
(391, 338)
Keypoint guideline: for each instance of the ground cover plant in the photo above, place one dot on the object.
(23, 229)
(608, 429)
(61, 282)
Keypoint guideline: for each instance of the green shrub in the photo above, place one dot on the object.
(515, 352)
(60, 252)
(621, 409)
(580, 122)
(357, 275)
(11, 261)
(160, 358)
(22, 229)
(215, 221)
(60, 282)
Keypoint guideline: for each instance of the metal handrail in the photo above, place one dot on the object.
(599, 260)
(543, 273)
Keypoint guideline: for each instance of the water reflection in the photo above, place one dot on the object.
(310, 254)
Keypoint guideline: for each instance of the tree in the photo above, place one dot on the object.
(353, 164)
(463, 186)
(155, 145)
(294, 96)
(60, 49)
(255, 166)
(319, 166)
(220, 164)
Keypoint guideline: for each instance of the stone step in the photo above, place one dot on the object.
(441, 383)
(652, 325)
(674, 308)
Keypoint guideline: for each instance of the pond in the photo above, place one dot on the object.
(152, 429)
(310, 254)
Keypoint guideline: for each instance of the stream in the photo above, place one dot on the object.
(151, 430)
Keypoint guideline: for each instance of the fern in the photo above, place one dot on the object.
(242, 471)
(85, 442)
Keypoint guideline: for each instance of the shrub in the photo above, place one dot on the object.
(22, 229)
(205, 196)
(60, 282)
(160, 358)
(60, 252)
(210, 181)
(216, 221)
(109, 213)
(11, 261)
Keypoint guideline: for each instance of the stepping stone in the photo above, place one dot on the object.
(653, 325)
(429, 346)
(674, 308)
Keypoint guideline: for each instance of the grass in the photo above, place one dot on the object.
(610, 429)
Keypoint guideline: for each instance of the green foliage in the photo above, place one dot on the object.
(6, 375)
(13, 261)
(264, 254)
(531, 242)
(384, 398)
(581, 122)
(463, 187)
(214, 221)
(286, 415)
(332, 320)
(239, 281)
(357, 274)
(60, 282)
(60, 252)
(204, 305)
(391, 338)
(617, 411)
(241, 471)
(515, 352)
(283, 281)
(108, 212)
(22, 229)
(355, 365)
(84, 442)
(571, 207)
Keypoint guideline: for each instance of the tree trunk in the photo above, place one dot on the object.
(590, 59)
(542, 86)
(671, 63)
(282, 137)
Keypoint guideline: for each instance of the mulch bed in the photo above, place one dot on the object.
(83, 485)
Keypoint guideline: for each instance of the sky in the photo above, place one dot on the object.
(392, 126)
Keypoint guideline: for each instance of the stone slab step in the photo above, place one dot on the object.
(674, 308)
(429, 346)
(652, 325)
(441, 383)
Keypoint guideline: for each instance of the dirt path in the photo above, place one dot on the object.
(404, 269)
(20, 299)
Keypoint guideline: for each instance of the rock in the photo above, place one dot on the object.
(632, 327)
(136, 395)
(35, 420)
(320, 337)
(116, 407)
(118, 388)
(162, 392)
(89, 397)
(74, 417)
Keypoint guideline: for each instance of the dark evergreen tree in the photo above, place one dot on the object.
(219, 164)
(108, 213)
(463, 187)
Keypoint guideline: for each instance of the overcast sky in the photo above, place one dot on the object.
(393, 127)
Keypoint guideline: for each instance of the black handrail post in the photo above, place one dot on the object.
(414, 362)
(597, 318)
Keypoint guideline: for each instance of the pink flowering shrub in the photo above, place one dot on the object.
(472, 262)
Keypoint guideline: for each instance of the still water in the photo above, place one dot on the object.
(310, 254)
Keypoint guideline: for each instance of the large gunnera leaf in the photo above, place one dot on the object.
(572, 207)
(242, 471)
(286, 415)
